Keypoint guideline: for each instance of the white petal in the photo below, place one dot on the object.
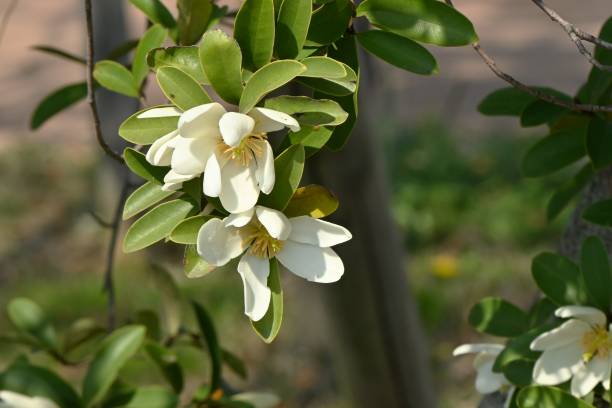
(163, 112)
(606, 382)
(218, 244)
(190, 155)
(488, 348)
(308, 230)
(275, 222)
(160, 152)
(212, 177)
(265, 169)
(201, 121)
(486, 380)
(239, 220)
(10, 399)
(172, 186)
(173, 177)
(312, 263)
(571, 331)
(269, 120)
(239, 190)
(254, 272)
(585, 313)
(234, 127)
(557, 365)
(589, 375)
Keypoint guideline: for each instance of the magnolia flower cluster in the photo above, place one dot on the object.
(232, 153)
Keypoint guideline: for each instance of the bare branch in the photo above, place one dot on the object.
(91, 98)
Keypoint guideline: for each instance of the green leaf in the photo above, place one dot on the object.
(234, 363)
(254, 31)
(146, 126)
(82, 332)
(520, 372)
(599, 213)
(156, 224)
(47, 49)
(154, 37)
(313, 138)
(323, 67)
(596, 272)
(292, 27)
(558, 278)
(313, 112)
(313, 200)
(156, 12)
(508, 101)
(186, 59)
(266, 79)
(30, 319)
(599, 142)
(170, 297)
(568, 190)
(145, 196)
(221, 59)
(23, 378)
(186, 232)
(332, 86)
(180, 88)
(329, 22)
(139, 165)
(115, 351)
(554, 152)
(207, 328)
(193, 20)
(597, 88)
(548, 397)
(498, 317)
(399, 51)
(540, 112)
(166, 361)
(56, 102)
(288, 167)
(421, 20)
(268, 327)
(116, 77)
(147, 397)
(541, 312)
(194, 266)
(518, 348)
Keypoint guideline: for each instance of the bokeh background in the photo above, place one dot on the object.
(469, 222)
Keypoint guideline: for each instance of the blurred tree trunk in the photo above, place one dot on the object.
(381, 341)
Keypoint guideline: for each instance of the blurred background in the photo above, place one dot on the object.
(469, 222)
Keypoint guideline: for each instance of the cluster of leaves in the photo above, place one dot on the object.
(147, 337)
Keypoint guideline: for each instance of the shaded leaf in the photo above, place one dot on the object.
(554, 152)
(508, 101)
(170, 297)
(139, 165)
(221, 59)
(558, 278)
(288, 167)
(56, 102)
(166, 361)
(313, 200)
(568, 191)
(599, 142)
(498, 317)
(30, 319)
(254, 30)
(207, 328)
(599, 213)
(596, 272)
(193, 20)
(548, 397)
(291, 27)
(329, 22)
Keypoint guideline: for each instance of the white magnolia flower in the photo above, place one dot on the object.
(487, 381)
(230, 148)
(578, 349)
(10, 399)
(301, 244)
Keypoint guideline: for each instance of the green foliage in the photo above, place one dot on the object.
(269, 326)
(254, 30)
(288, 167)
(184, 58)
(323, 67)
(498, 317)
(599, 213)
(145, 196)
(117, 78)
(32, 321)
(564, 194)
(207, 329)
(313, 112)
(153, 38)
(186, 232)
(508, 101)
(156, 12)
(146, 130)
(56, 102)
(193, 19)
(292, 27)
(313, 200)
(181, 89)
(559, 279)
(139, 165)
(599, 143)
(548, 397)
(329, 22)
(554, 152)
(596, 272)
(221, 59)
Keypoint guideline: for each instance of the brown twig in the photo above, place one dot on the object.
(91, 98)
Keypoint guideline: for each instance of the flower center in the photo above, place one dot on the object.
(596, 343)
(260, 243)
(249, 148)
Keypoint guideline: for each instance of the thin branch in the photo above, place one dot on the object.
(99, 220)
(6, 18)
(91, 98)
(536, 93)
(576, 35)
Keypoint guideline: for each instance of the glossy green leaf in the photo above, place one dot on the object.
(559, 279)
(596, 272)
(47, 49)
(289, 167)
(186, 59)
(520, 372)
(194, 266)
(193, 20)
(145, 196)
(599, 83)
(313, 200)
(166, 361)
(541, 312)
(518, 348)
(153, 38)
(268, 327)
(170, 297)
(329, 86)
(536, 396)
(267, 79)
(186, 232)
(30, 319)
(313, 112)
(148, 125)
(181, 89)
(323, 67)
(156, 224)
(540, 112)
(329, 22)
(147, 397)
(498, 317)
(568, 191)
(115, 351)
(599, 213)
(508, 101)
(56, 102)
(399, 51)
(234, 363)
(221, 59)
(421, 20)
(254, 30)
(599, 142)
(209, 333)
(139, 165)
(313, 138)
(291, 27)
(116, 77)
(554, 152)
(156, 12)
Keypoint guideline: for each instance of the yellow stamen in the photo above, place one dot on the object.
(250, 148)
(260, 243)
(596, 342)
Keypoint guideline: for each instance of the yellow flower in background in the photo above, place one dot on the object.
(444, 266)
